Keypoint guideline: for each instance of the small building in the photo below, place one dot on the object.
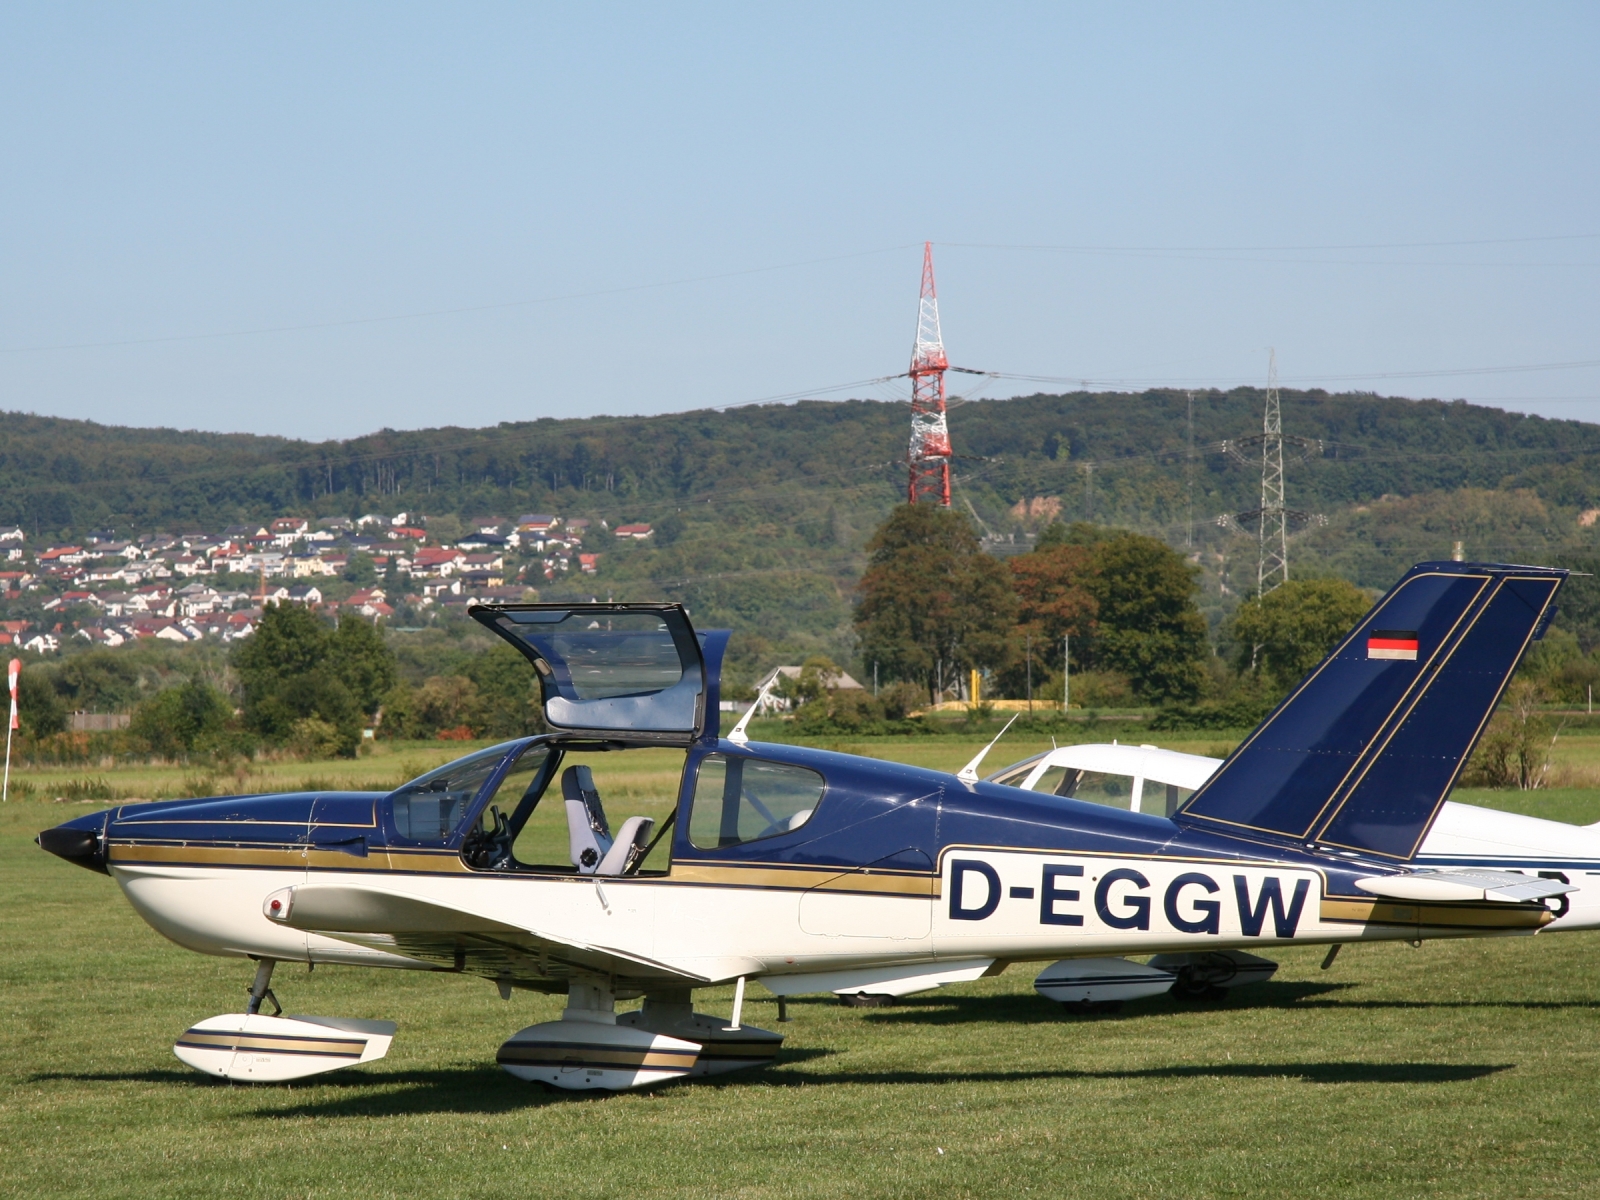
(638, 531)
(286, 530)
(437, 560)
(836, 683)
(88, 722)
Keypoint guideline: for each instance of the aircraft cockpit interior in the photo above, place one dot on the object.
(540, 806)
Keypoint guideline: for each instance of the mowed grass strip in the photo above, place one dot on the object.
(1463, 1068)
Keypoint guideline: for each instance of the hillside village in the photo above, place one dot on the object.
(109, 590)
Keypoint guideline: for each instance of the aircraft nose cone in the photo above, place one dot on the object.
(75, 844)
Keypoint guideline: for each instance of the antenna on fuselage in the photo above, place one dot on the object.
(737, 735)
(970, 771)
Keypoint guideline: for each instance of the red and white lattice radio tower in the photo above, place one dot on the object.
(929, 455)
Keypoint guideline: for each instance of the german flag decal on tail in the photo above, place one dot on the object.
(1392, 643)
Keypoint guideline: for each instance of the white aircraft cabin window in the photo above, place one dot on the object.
(1019, 775)
(1170, 793)
(1097, 787)
(430, 807)
(740, 800)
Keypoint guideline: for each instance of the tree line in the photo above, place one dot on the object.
(1116, 609)
(302, 684)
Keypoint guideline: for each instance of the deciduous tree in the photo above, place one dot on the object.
(1149, 627)
(932, 603)
(362, 660)
(1293, 627)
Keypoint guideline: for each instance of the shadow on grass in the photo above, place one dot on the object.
(1036, 1010)
(488, 1090)
(1307, 1072)
(943, 1009)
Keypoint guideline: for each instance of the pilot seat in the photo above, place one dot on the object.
(594, 850)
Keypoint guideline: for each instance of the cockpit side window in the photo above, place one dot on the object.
(503, 814)
(1097, 787)
(739, 800)
(431, 807)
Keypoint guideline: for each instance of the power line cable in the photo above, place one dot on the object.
(450, 312)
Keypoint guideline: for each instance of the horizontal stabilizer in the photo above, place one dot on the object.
(1362, 753)
(1507, 886)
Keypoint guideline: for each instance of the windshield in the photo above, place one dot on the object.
(1016, 774)
(432, 806)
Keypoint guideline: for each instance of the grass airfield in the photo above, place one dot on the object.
(1463, 1068)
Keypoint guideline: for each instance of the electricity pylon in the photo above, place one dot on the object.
(1272, 567)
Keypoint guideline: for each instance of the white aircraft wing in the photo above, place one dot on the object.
(460, 940)
(1507, 886)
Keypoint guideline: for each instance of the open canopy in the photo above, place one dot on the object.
(634, 671)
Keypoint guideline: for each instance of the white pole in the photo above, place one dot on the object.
(738, 1003)
(12, 671)
(1066, 673)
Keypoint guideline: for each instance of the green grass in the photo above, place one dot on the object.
(382, 767)
(1458, 1069)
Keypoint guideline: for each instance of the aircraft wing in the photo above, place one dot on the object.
(1507, 886)
(459, 940)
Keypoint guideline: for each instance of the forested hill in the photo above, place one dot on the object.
(761, 512)
(58, 477)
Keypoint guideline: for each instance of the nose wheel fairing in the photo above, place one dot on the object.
(250, 1048)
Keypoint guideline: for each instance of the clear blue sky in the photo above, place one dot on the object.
(173, 171)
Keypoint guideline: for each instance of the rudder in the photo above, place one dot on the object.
(1363, 751)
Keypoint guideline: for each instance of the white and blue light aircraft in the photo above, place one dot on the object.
(812, 871)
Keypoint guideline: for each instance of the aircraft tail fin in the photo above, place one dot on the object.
(1362, 753)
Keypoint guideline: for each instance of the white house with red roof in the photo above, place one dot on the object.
(437, 560)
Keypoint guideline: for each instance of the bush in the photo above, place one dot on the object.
(1515, 749)
(40, 709)
(1100, 689)
(279, 711)
(900, 700)
(182, 720)
(1243, 713)
(849, 710)
(312, 737)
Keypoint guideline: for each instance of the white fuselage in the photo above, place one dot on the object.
(993, 905)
